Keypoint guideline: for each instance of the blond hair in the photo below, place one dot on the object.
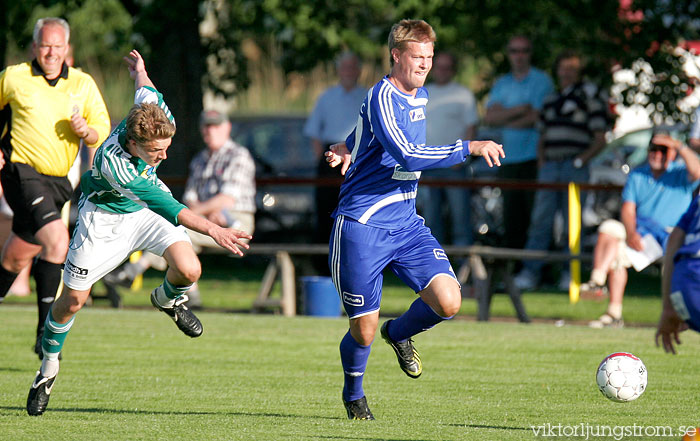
(147, 122)
(407, 31)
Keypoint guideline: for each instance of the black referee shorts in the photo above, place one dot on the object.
(35, 199)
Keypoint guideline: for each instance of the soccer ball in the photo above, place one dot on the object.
(621, 377)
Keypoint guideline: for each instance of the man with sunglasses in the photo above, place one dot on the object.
(654, 198)
(514, 107)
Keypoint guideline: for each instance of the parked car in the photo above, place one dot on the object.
(285, 213)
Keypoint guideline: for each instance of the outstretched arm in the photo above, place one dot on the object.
(491, 151)
(670, 325)
(226, 237)
(137, 70)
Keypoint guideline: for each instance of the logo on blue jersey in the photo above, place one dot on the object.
(440, 254)
(353, 299)
(400, 174)
(416, 114)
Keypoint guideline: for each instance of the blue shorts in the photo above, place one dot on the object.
(359, 253)
(685, 291)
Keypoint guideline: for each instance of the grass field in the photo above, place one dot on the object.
(129, 374)
(232, 284)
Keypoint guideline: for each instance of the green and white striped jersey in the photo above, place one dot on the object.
(121, 183)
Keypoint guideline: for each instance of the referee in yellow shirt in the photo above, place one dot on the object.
(46, 109)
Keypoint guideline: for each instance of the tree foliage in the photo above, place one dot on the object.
(638, 34)
(608, 34)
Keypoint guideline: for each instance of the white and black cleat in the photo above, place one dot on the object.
(183, 317)
(39, 394)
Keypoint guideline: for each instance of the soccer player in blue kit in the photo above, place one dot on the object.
(376, 225)
(680, 283)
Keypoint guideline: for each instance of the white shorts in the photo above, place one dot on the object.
(616, 229)
(103, 240)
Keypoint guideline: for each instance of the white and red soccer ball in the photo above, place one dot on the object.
(621, 377)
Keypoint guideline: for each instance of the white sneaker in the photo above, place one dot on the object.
(607, 321)
(525, 280)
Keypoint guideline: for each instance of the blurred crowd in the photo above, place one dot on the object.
(551, 125)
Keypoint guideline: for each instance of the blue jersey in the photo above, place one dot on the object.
(388, 152)
(685, 281)
(690, 224)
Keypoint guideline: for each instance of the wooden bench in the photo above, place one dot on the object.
(481, 263)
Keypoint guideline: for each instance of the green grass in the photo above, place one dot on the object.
(231, 285)
(131, 375)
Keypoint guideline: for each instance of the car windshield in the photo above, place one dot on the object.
(277, 144)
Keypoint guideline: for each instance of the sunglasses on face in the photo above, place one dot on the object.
(658, 148)
(519, 50)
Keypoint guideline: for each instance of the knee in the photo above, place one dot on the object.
(13, 264)
(450, 305)
(74, 306)
(190, 272)
(56, 249)
(67, 305)
(364, 328)
(365, 337)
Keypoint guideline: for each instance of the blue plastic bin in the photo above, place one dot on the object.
(320, 297)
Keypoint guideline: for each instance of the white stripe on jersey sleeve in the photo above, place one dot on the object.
(116, 168)
(408, 149)
(360, 127)
(389, 119)
(145, 95)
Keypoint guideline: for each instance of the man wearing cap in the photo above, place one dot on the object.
(221, 183)
(220, 187)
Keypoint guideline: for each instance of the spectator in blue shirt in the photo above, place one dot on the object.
(654, 198)
(514, 105)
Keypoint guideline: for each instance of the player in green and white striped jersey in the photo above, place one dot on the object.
(123, 208)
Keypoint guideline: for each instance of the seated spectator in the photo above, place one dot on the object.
(654, 198)
(220, 187)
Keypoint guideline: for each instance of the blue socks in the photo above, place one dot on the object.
(54, 336)
(419, 317)
(353, 357)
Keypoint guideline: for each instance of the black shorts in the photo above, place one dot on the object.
(35, 199)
